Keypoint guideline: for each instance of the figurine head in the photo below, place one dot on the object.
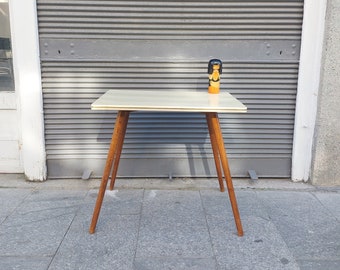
(215, 64)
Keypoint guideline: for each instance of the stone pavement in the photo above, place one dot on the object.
(162, 224)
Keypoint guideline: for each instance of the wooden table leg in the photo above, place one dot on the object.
(216, 155)
(116, 136)
(119, 151)
(212, 118)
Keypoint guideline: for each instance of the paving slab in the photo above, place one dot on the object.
(24, 263)
(261, 247)
(319, 264)
(114, 243)
(118, 202)
(330, 201)
(175, 264)
(10, 199)
(173, 225)
(218, 203)
(47, 203)
(111, 247)
(39, 225)
(308, 228)
(41, 237)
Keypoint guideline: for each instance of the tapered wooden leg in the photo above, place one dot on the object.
(216, 155)
(116, 136)
(216, 129)
(118, 151)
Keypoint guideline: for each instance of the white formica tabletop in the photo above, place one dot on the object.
(168, 101)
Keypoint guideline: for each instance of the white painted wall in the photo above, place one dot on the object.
(10, 159)
(26, 63)
(308, 87)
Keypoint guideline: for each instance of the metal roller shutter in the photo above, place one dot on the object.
(88, 47)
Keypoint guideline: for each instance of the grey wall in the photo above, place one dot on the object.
(326, 155)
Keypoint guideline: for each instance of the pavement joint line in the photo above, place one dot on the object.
(209, 231)
(17, 207)
(66, 232)
(138, 230)
(327, 210)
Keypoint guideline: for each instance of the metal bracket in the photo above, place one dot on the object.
(253, 175)
(86, 174)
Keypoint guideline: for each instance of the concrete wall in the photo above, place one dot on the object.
(326, 152)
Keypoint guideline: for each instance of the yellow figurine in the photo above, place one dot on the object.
(214, 71)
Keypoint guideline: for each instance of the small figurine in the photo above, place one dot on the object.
(214, 71)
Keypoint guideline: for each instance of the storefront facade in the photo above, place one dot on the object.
(76, 50)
